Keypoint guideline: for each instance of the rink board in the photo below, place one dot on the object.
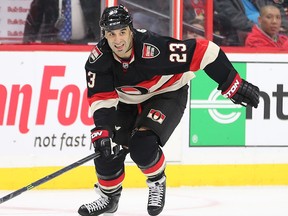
(45, 124)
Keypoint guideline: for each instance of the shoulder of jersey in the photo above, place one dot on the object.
(101, 52)
(148, 43)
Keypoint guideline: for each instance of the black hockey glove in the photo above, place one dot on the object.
(240, 91)
(102, 143)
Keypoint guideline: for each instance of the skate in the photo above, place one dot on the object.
(156, 198)
(106, 204)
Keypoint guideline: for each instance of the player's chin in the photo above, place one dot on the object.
(119, 52)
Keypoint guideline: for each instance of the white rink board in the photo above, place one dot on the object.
(269, 126)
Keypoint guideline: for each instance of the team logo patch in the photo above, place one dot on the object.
(156, 116)
(150, 51)
(95, 54)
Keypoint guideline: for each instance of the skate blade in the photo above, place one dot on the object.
(108, 214)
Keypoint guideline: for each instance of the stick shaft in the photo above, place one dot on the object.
(49, 177)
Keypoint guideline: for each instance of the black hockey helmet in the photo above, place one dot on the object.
(115, 17)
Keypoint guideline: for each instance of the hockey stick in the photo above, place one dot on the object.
(49, 177)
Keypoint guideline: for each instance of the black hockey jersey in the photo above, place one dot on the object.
(157, 65)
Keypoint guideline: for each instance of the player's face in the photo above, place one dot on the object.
(120, 41)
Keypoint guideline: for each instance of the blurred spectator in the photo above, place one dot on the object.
(198, 7)
(267, 33)
(156, 17)
(40, 22)
(283, 4)
(237, 18)
(194, 26)
(45, 19)
(197, 29)
(91, 12)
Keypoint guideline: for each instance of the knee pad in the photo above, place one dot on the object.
(106, 167)
(144, 148)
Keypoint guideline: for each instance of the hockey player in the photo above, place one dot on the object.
(137, 91)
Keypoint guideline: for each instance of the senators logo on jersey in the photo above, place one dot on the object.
(156, 115)
(150, 51)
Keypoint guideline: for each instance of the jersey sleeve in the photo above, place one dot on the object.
(208, 56)
(211, 58)
(101, 93)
